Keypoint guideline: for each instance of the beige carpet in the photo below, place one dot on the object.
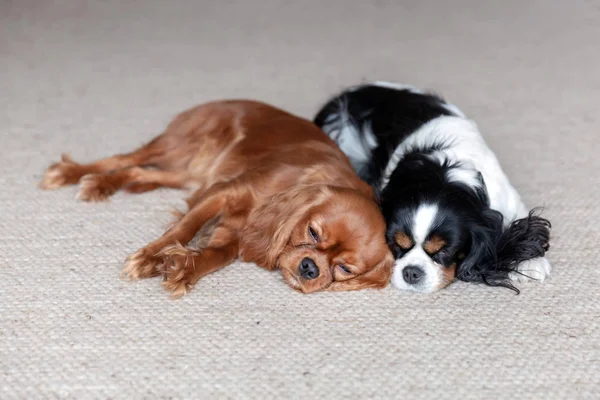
(96, 78)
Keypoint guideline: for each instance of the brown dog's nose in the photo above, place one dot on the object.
(308, 269)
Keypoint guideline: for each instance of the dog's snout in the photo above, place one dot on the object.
(308, 269)
(412, 274)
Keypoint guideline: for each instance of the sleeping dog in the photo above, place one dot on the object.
(451, 212)
(269, 188)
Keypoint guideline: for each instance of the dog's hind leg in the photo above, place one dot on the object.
(98, 187)
(68, 172)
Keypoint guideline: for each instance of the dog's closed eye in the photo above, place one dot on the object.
(313, 234)
(344, 268)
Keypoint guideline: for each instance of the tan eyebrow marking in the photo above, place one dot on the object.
(403, 240)
(434, 244)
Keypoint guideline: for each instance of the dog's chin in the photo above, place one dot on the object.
(291, 280)
(295, 283)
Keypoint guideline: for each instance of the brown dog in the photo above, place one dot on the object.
(271, 188)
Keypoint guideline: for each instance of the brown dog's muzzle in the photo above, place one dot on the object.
(308, 269)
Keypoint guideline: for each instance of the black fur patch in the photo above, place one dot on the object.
(391, 115)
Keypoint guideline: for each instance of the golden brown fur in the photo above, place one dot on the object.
(265, 183)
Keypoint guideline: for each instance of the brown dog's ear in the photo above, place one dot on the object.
(377, 278)
(270, 226)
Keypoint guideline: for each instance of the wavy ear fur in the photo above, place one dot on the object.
(270, 226)
(496, 252)
(480, 263)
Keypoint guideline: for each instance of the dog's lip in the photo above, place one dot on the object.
(291, 278)
(294, 279)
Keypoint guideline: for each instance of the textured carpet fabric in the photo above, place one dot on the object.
(97, 78)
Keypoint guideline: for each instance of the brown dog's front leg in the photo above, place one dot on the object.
(184, 267)
(226, 202)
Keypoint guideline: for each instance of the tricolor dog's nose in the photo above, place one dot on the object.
(412, 274)
(308, 269)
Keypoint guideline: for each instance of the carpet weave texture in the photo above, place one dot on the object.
(94, 78)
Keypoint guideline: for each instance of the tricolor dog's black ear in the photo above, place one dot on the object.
(524, 239)
(496, 252)
(480, 264)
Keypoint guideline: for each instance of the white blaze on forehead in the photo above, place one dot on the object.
(423, 220)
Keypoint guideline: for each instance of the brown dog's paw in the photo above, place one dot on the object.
(95, 187)
(142, 264)
(65, 172)
(180, 269)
